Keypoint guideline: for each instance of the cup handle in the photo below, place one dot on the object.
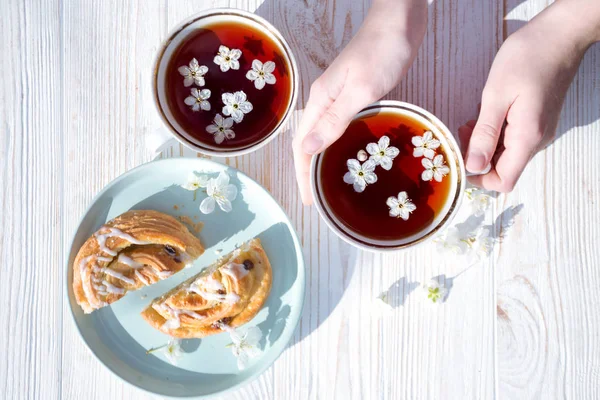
(158, 140)
(485, 171)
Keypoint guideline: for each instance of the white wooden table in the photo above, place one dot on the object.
(75, 113)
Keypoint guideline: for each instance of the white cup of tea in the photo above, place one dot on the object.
(269, 92)
(365, 219)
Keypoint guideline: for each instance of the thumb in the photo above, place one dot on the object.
(334, 121)
(486, 133)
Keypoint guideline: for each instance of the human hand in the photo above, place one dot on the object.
(524, 93)
(369, 66)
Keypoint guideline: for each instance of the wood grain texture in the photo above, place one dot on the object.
(76, 110)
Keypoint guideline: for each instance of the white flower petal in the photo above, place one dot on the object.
(207, 206)
(204, 94)
(229, 133)
(417, 141)
(188, 81)
(239, 97)
(384, 142)
(392, 152)
(228, 98)
(196, 107)
(237, 115)
(427, 163)
(199, 81)
(427, 136)
(438, 160)
(195, 92)
(394, 212)
(353, 165)
(349, 178)
(359, 185)
(224, 66)
(369, 166)
(402, 197)
(403, 213)
(370, 178)
(257, 65)
(235, 64)
(259, 83)
(235, 54)
(242, 361)
(222, 180)
(392, 202)
(219, 137)
(429, 153)
(437, 176)
(253, 336)
(433, 144)
(269, 67)
(226, 110)
(190, 101)
(410, 207)
(227, 123)
(270, 79)
(427, 175)
(224, 204)
(372, 148)
(184, 70)
(418, 151)
(444, 170)
(252, 75)
(386, 163)
(205, 105)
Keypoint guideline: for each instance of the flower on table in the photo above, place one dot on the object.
(400, 206)
(227, 59)
(359, 176)
(198, 99)
(220, 192)
(425, 145)
(435, 291)
(480, 200)
(236, 105)
(382, 153)
(194, 73)
(244, 345)
(221, 129)
(477, 243)
(195, 182)
(262, 74)
(172, 351)
(434, 169)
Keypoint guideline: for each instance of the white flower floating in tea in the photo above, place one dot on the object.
(360, 175)
(236, 105)
(172, 350)
(245, 345)
(435, 291)
(198, 99)
(479, 199)
(382, 153)
(227, 58)
(194, 73)
(425, 145)
(434, 169)
(262, 74)
(221, 129)
(195, 182)
(401, 206)
(220, 192)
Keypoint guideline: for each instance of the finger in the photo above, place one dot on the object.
(464, 135)
(484, 140)
(334, 121)
(511, 162)
(302, 166)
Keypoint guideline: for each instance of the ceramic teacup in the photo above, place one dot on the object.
(457, 176)
(204, 21)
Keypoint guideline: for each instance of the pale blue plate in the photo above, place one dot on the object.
(119, 337)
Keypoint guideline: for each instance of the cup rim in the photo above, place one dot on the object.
(293, 70)
(450, 214)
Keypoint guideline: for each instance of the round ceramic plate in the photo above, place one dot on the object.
(119, 337)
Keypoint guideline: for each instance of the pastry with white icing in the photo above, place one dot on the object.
(226, 294)
(135, 249)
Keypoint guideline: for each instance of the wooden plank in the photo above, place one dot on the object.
(30, 200)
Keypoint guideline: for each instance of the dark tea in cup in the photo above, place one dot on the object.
(391, 180)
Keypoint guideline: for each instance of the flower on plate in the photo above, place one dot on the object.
(236, 105)
(382, 153)
(435, 168)
(219, 191)
(227, 59)
(401, 206)
(194, 73)
(425, 145)
(383, 302)
(480, 200)
(198, 99)
(221, 128)
(360, 175)
(172, 350)
(195, 182)
(435, 291)
(262, 74)
(245, 345)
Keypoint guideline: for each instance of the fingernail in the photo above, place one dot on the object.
(476, 161)
(312, 143)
